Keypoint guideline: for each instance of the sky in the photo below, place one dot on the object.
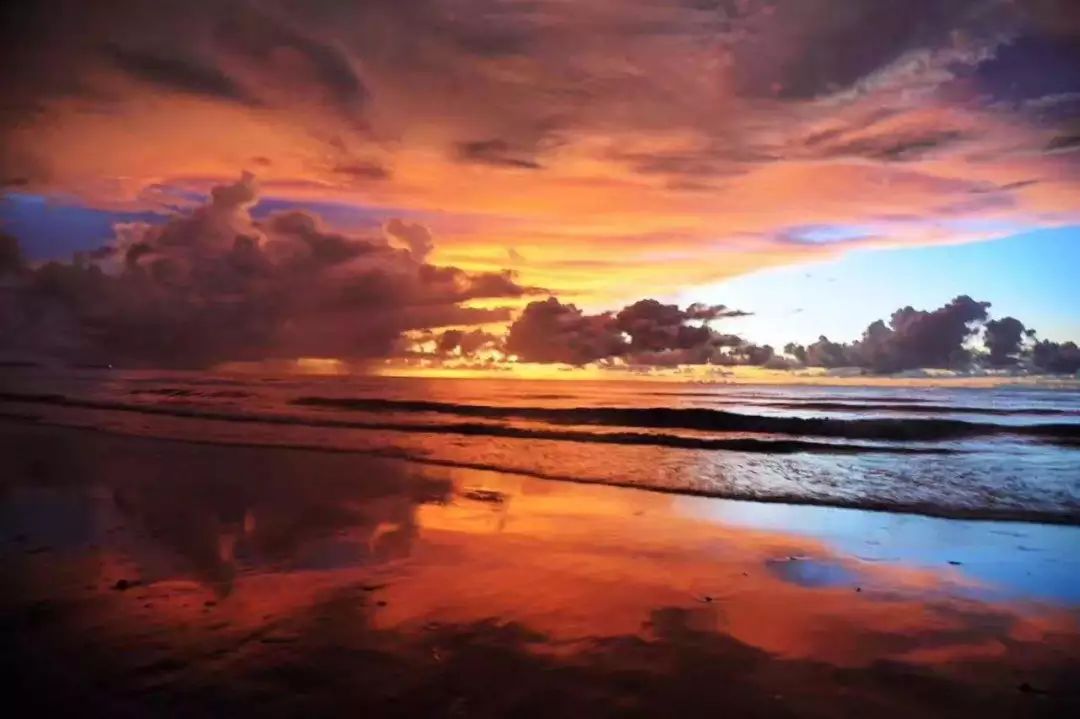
(1030, 275)
(810, 165)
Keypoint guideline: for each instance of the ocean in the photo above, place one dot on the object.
(979, 453)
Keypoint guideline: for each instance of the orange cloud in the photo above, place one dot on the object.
(614, 146)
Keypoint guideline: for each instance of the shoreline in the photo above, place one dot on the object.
(975, 515)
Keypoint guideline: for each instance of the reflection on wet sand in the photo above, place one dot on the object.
(177, 578)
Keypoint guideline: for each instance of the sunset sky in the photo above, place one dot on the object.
(815, 163)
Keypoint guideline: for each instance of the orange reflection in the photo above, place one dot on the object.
(250, 557)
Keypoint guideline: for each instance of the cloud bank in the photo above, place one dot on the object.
(956, 336)
(214, 284)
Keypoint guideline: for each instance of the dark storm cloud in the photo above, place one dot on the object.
(216, 285)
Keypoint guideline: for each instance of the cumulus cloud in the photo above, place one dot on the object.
(912, 339)
(215, 284)
(549, 331)
(467, 343)
(917, 338)
(653, 326)
(649, 333)
(646, 332)
(1055, 357)
(941, 339)
(1004, 340)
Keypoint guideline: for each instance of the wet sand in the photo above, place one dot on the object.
(161, 577)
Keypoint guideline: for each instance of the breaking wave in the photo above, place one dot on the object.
(700, 419)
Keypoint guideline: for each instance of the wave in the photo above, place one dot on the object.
(921, 408)
(777, 446)
(726, 396)
(889, 429)
(1013, 514)
(874, 404)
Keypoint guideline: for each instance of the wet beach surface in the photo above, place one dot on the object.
(1007, 453)
(149, 576)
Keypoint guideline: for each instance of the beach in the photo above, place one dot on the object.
(175, 577)
(536, 359)
(1007, 453)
